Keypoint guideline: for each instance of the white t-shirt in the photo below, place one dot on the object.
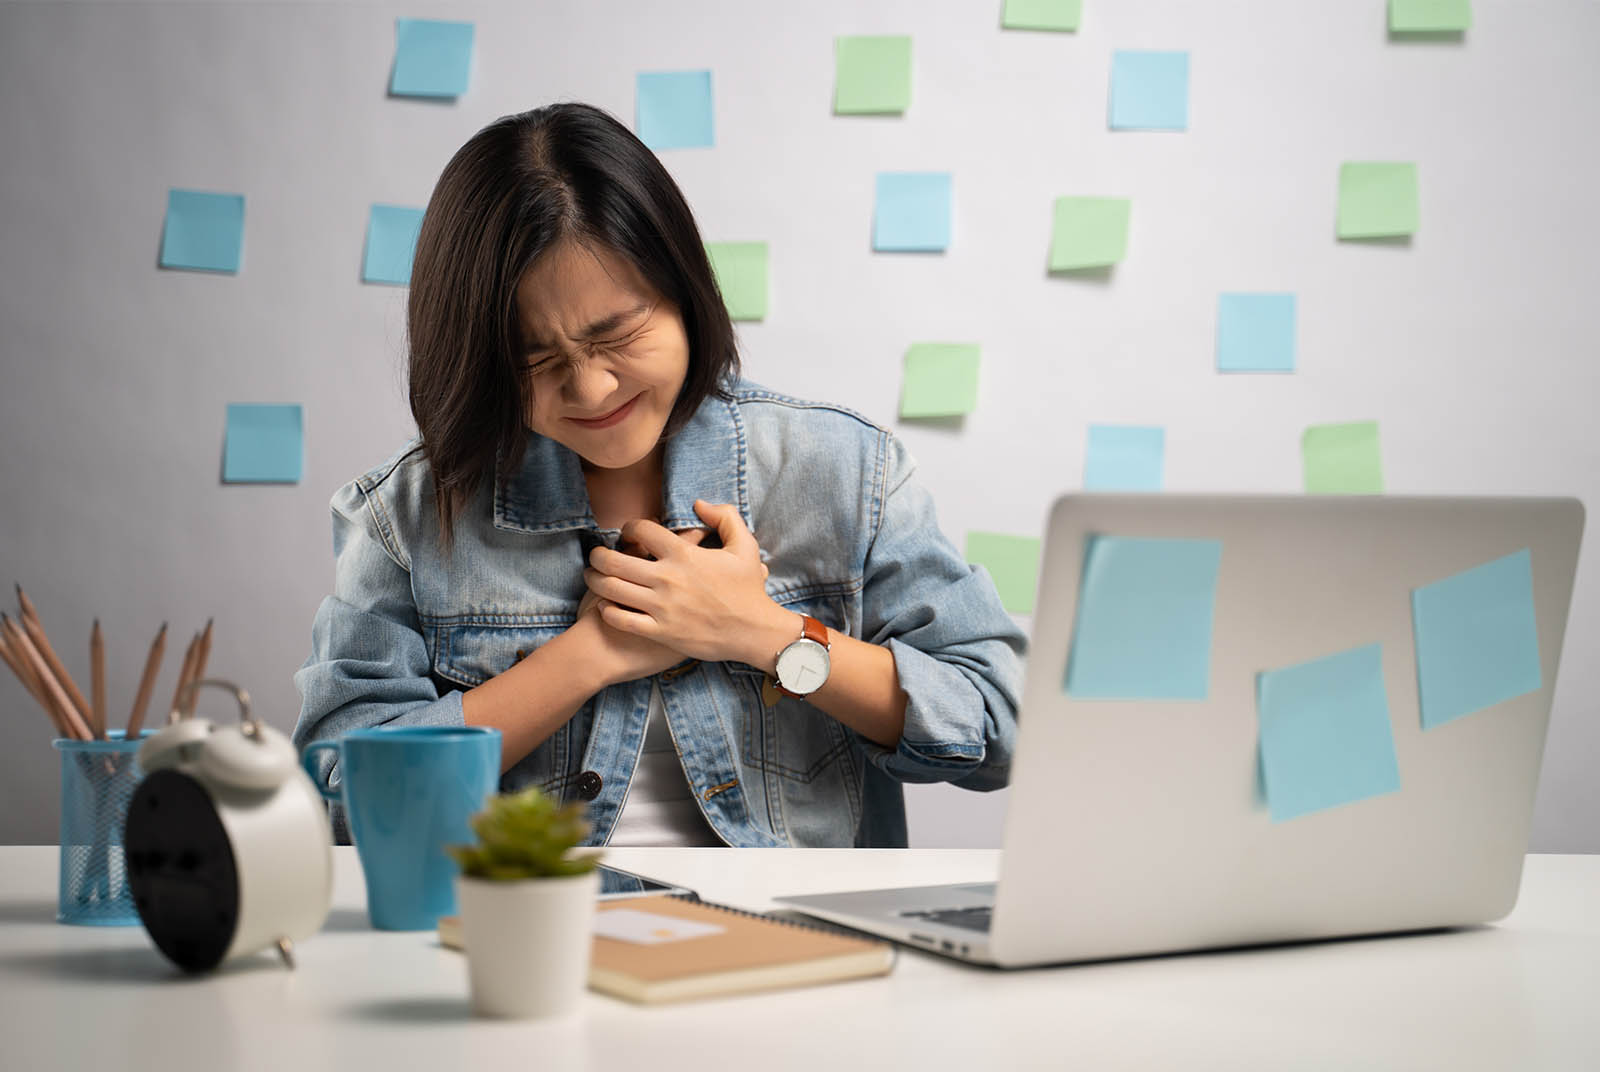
(660, 808)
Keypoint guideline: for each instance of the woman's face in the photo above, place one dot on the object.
(606, 355)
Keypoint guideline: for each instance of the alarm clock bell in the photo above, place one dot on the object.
(227, 843)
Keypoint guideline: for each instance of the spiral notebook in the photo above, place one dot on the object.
(671, 948)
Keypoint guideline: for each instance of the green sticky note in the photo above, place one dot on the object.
(872, 75)
(741, 269)
(1377, 200)
(941, 380)
(1429, 16)
(1342, 459)
(1062, 15)
(1013, 562)
(1089, 232)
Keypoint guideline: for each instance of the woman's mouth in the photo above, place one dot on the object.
(606, 420)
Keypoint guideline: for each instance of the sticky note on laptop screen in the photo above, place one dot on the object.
(1325, 733)
(1144, 616)
(1477, 639)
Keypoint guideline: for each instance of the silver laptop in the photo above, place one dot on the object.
(1143, 826)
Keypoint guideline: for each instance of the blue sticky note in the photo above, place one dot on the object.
(1477, 640)
(1325, 735)
(203, 232)
(391, 243)
(673, 109)
(912, 212)
(1255, 333)
(431, 58)
(1150, 91)
(1123, 458)
(1143, 629)
(265, 444)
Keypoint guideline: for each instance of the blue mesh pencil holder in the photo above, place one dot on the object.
(97, 782)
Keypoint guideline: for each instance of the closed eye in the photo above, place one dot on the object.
(543, 363)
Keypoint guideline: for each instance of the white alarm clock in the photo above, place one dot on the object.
(227, 843)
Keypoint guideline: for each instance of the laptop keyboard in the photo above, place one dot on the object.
(976, 918)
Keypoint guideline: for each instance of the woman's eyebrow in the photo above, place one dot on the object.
(604, 326)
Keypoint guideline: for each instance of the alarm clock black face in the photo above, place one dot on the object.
(181, 870)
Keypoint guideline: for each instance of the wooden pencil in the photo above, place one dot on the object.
(25, 675)
(34, 628)
(202, 656)
(12, 632)
(97, 682)
(173, 712)
(147, 684)
(75, 724)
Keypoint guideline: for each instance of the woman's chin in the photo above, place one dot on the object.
(612, 459)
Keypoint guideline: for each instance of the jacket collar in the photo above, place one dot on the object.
(704, 460)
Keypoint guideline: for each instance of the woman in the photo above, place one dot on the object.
(718, 614)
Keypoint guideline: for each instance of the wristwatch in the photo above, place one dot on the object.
(803, 663)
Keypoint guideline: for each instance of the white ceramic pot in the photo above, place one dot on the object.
(527, 943)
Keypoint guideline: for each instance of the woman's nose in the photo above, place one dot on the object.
(592, 382)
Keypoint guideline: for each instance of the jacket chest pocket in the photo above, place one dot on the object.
(469, 655)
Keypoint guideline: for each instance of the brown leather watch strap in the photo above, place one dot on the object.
(814, 630)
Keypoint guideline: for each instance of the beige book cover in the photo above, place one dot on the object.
(666, 948)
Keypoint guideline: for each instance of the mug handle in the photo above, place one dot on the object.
(306, 761)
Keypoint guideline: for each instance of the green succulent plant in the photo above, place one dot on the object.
(524, 835)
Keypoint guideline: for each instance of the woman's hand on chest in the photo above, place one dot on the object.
(706, 603)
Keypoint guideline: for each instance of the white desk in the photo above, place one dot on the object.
(1523, 994)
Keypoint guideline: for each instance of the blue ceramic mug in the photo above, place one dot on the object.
(408, 792)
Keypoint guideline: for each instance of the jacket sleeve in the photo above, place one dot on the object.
(369, 663)
(956, 650)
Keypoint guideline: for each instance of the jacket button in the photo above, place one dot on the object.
(589, 784)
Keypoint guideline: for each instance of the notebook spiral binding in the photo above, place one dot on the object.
(804, 925)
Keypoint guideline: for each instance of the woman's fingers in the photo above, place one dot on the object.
(620, 591)
(724, 517)
(653, 537)
(630, 621)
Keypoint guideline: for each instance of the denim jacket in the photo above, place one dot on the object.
(848, 536)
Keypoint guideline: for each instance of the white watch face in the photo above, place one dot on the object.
(803, 666)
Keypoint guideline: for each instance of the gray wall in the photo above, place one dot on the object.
(1471, 345)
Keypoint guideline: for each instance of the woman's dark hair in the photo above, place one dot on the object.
(520, 186)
